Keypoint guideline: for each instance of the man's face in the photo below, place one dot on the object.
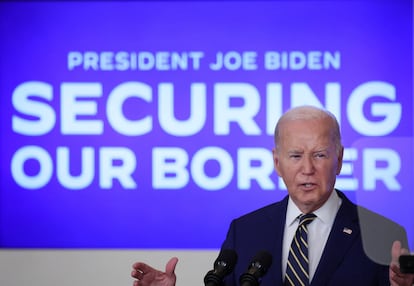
(307, 160)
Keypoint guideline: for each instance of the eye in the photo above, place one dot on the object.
(320, 155)
(295, 156)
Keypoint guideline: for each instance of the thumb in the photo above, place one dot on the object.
(170, 267)
(395, 251)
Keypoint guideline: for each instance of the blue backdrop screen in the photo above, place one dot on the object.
(150, 124)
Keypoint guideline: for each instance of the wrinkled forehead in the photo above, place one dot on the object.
(307, 129)
(302, 118)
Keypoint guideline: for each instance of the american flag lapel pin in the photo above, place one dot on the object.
(347, 230)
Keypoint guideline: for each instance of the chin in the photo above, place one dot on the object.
(309, 200)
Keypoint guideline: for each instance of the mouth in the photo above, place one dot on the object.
(308, 185)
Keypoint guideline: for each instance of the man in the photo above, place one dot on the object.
(346, 244)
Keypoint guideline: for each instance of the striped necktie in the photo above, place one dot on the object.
(297, 270)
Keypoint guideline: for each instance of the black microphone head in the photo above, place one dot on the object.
(261, 263)
(223, 266)
(226, 261)
(257, 269)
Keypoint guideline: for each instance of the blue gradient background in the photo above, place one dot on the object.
(374, 39)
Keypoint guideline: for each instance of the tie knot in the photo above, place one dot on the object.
(305, 219)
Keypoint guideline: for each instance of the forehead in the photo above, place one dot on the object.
(306, 133)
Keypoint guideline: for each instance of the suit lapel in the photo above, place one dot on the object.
(343, 234)
(278, 217)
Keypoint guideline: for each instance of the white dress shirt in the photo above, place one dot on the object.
(318, 230)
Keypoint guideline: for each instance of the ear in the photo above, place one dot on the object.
(340, 158)
(276, 162)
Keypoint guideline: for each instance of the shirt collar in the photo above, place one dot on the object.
(326, 213)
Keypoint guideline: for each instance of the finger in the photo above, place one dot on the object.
(397, 280)
(401, 280)
(142, 267)
(137, 274)
(171, 264)
(396, 251)
(395, 269)
(392, 274)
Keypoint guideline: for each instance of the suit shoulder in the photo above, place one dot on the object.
(270, 211)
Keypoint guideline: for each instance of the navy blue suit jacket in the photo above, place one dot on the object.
(359, 257)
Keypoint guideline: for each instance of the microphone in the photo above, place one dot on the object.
(223, 266)
(257, 269)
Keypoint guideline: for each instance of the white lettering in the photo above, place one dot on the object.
(224, 95)
(40, 117)
(372, 173)
(347, 181)
(226, 168)
(71, 108)
(234, 104)
(28, 181)
(297, 60)
(169, 168)
(91, 61)
(116, 163)
(255, 164)
(302, 95)
(166, 108)
(235, 61)
(74, 60)
(85, 178)
(274, 106)
(389, 113)
(116, 100)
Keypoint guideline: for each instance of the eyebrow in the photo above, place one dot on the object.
(295, 151)
(301, 151)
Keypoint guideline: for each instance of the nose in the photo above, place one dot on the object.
(308, 167)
